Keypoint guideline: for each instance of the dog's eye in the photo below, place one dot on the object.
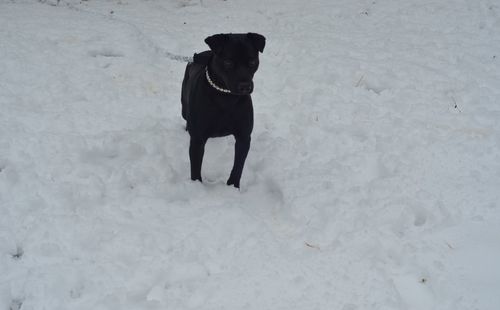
(228, 64)
(253, 63)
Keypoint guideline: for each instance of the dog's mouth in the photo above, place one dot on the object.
(243, 88)
(238, 88)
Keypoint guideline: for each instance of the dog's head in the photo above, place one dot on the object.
(236, 59)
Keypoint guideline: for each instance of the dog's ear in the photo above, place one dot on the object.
(216, 42)
(257, 40)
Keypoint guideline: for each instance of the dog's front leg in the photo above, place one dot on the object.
(240, 154)
(196, 151)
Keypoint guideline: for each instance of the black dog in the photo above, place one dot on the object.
(216, 98)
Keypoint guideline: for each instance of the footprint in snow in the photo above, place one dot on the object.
(420, 216)
(19, 253)
(76, 292)
(275, 190)
(105, 52)
(16, 304)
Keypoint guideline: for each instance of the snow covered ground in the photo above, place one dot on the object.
(372, 181)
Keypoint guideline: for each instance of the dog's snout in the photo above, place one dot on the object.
(245, 87)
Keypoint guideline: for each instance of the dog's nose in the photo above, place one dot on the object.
(245, 87)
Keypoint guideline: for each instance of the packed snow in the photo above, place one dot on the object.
(372, 181)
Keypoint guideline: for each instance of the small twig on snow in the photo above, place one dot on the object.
(312, 246)
(450, 246)
(360, 80)
(456, 105)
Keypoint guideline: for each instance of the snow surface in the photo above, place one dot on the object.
(372, 181)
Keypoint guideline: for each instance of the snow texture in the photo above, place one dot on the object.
(372, 181)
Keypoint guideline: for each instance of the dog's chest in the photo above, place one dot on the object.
(223, 122)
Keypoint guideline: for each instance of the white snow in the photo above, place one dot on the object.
(372, 181)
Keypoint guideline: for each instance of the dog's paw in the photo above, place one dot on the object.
(233, 182)
(196, 179)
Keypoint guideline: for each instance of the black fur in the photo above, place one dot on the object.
(232, 62)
